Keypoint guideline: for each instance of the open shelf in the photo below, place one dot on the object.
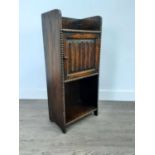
(77, 111)
(81, 98)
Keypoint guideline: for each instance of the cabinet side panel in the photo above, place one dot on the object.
(51, 24)
(99, 58)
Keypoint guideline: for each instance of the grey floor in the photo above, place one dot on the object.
(110, 133)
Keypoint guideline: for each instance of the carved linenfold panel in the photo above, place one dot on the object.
(81, 55)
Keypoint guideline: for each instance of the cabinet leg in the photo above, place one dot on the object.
(64, 130)
(96, 113)
(50, 118)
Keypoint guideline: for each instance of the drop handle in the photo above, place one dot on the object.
(65, 57)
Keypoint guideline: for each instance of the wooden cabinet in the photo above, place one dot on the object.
(72, 54)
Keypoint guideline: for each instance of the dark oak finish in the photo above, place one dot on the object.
(72, 53)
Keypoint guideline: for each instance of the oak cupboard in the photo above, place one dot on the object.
(72, 54)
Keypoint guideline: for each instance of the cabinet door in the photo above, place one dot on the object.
(81, 54)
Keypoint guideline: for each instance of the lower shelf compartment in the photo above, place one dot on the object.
(78, 111)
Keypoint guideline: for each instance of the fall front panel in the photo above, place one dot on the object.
(80, 55)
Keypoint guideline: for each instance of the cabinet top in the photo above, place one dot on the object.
(89, 23)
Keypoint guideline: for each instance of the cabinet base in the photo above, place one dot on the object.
(63, 130)
(96, 113)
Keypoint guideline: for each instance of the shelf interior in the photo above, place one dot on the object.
(80, 98)
(77, 111)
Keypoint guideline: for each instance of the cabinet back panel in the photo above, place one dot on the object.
(82, 91)
(90, 23)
